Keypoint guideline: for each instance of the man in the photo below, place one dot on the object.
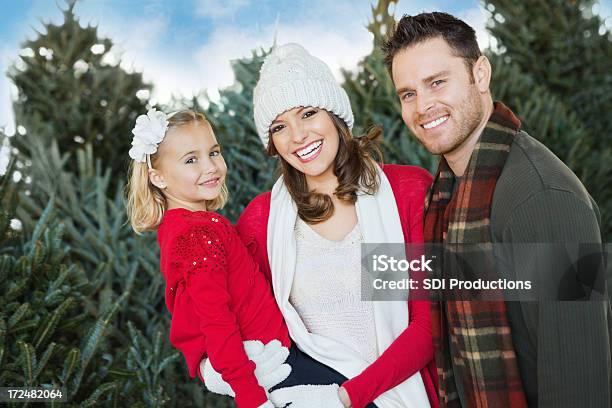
(498, 186)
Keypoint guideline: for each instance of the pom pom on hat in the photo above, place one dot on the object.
(289, 78)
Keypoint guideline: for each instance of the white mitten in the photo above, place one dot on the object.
(213, 381)
(307, 396)
(270, 367)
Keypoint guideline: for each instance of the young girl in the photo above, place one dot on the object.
(214, 290)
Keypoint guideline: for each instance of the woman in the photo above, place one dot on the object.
(306, 233)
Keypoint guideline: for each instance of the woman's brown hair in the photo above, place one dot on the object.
(354, 166)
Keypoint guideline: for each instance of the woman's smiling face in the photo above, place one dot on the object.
(307, 139)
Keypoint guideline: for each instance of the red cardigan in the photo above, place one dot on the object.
(412, 351)
(217, 298)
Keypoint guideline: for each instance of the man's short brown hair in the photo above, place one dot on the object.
(412, 30)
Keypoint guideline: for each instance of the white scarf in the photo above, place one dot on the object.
(379, 222)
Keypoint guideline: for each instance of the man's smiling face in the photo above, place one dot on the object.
(441, 104)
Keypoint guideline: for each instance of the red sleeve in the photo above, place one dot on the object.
(413, 349)
(203, 249)
(252, 226)
(407, 355)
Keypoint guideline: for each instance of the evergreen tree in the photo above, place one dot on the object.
(374, 101)
(68, 92)
(83, 295)
(553, 68)
(125, 296)
(250, 169)
(46, 337)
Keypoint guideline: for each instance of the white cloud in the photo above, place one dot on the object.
(604, 11)
(7, 56)
(477, 18)
(217, 9)
(142, 34)
(137, 45)
(341, 41)
(5, 150)
(337, 48)
(411, 8)
(342, 44)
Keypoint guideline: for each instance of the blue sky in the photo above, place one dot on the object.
(185, 46)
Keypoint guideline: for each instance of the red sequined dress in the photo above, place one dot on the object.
(217, 297)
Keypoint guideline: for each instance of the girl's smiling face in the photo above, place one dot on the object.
(189, 168)
(307, 139)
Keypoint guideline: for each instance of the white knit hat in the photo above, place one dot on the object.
(289, 78)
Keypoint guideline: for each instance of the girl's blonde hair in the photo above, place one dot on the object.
(146, 203)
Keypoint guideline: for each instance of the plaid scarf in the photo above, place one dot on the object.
(474, 334)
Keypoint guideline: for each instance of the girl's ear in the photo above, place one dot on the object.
(157, 179)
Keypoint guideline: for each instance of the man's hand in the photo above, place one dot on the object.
(270, 367)
(307, 396)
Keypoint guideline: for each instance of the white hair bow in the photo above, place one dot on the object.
(149, 131)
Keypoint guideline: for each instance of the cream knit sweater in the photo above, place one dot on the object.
(326, 290)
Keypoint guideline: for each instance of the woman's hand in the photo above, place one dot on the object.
(344, 397)
(307, 396)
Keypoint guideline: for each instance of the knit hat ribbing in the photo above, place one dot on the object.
(290, 77)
